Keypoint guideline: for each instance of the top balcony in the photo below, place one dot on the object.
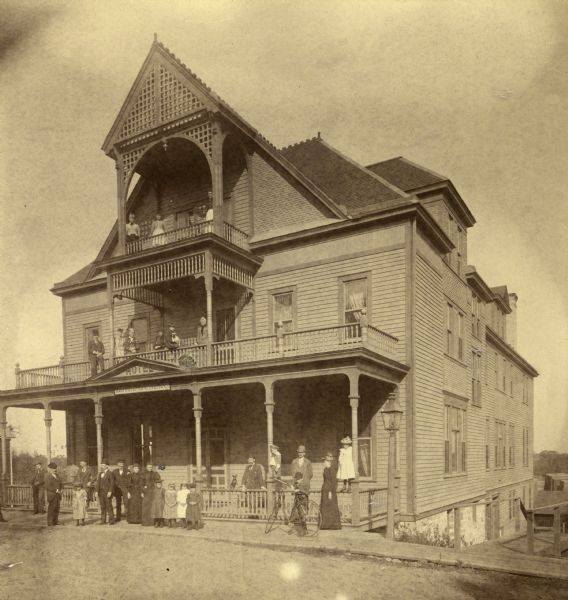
(192, 230)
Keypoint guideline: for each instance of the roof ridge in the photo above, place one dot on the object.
(385, 182)
(380, 162)
(428, 170)
(315, 138)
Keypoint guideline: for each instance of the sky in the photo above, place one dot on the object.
(473, 90)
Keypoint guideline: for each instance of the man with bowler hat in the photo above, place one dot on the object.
(303, 466)
(38, 489)
(121, 486)
(53, 489)
(105, 490)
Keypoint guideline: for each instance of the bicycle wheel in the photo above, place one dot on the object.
(272, 519)
(311, 517)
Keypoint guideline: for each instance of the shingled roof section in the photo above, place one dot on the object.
(76, 279)
(405, 174)
(344, 181)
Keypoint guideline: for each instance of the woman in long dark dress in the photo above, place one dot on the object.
(134, 513)
(330, 516)
(149, 479)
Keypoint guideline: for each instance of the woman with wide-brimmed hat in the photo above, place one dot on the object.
(330, 515)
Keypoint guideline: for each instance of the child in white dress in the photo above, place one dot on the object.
(346, 470)
(182, 503)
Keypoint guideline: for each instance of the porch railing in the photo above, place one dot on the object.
(234, 352)
(21, 496)
(230, 233)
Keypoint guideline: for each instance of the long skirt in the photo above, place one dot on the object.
(193, 514)
(147, 516)
(134, 512)
(330, 516)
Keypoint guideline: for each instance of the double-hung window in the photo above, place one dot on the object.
(455, 439)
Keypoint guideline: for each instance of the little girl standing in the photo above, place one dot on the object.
(346, 470)
(79, 504)
(170, 505)
(181, 503)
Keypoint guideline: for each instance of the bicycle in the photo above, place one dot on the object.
(304, 517)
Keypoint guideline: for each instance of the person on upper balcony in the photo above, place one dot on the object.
(209, 213)
(132, 229)
(202, 336)
(172, 338)
(158, 231)
(96, 352)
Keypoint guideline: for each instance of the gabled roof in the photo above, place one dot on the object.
(501, 295)
(416, 179)
(145, 366)
(406, 175)
(477, 283)
(342, 179)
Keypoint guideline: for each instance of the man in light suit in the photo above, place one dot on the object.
(303, 466)
(53, 490)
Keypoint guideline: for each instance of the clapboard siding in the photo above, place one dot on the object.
(278, 199)
(318, 292)
(236, 191)
(74, 331)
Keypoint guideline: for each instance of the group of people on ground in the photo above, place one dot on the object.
(141, 498)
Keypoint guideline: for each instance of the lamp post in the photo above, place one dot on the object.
(391, 414)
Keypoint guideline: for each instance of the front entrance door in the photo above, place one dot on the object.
(213, 458)
(142, 440)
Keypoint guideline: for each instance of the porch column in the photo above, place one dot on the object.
(99, 426)
(4, 476)
(217, 179)
(269, 405)
(354, 403)
(121, 207)
(197, 412)
(47, 420)
(209, 303)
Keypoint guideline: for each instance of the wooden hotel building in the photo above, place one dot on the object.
(327, 287)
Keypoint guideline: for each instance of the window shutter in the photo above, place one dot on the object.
(446, 456)
(463, 449)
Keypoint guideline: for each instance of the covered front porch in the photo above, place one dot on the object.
(204, 431)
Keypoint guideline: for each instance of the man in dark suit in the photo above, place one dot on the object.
(53, 490)
(38, 489)
(253, 477)
(86, 478)
(105, 491)
(121, 485)
(96, 351)
(302, 466)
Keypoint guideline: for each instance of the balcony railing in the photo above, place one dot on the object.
(230, 233)
(193, 356)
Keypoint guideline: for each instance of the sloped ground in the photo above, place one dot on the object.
(130, 562)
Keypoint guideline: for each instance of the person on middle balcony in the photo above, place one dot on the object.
(209, 213)
(172, 338)
(160, 342)
(202, 336)
(96, 351)
(130, 343)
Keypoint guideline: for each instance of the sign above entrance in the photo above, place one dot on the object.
(142, 388)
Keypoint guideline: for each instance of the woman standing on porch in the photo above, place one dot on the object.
(149, 480)
(330, 515)
(135, 490)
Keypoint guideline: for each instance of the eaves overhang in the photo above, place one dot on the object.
(509, 352)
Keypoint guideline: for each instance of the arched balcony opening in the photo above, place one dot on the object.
(171, 200)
